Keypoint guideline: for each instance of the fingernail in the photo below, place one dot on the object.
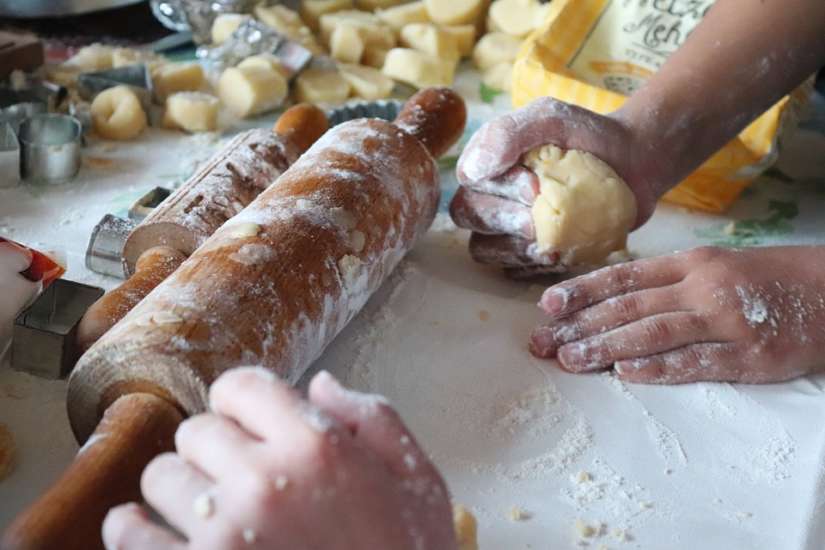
(555, 300)
(325, 377)
(543, 343)
(577, 357)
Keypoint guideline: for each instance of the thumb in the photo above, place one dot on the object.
(500, 143)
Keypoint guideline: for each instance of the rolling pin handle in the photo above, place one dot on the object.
(105, 473)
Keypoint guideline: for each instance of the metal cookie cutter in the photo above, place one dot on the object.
(148, 202)
(50, 147)
(104, 254)
(136, 77)
(9, 156)
(385, 109)
(43, 341)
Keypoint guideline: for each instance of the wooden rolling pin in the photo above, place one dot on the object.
(229, 182)
(272, 287)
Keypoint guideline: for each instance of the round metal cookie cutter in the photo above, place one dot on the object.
(50, 148)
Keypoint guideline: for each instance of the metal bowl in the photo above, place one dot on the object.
(57, 8)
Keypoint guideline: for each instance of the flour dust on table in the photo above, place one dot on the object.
(586, 461)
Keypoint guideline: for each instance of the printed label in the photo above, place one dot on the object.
(633, 38)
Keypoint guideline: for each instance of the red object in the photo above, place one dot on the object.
(42, 269)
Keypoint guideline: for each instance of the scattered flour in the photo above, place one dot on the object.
(667, 442)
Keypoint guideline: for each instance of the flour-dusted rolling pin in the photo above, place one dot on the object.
(227, 183)
(272, 287)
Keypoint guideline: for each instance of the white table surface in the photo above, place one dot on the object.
(708, 465)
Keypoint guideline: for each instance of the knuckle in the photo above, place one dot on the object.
(657, 330)
(627, 307)
(703, 254)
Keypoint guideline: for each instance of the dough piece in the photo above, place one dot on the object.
(374, 57)
(419, 69)
(121, 57)
(191, 111)
(264, 61)
(466, 528)
(225, 24)
(584, 209)
(399, 17)
(428, 38)
(516, 17)
(346, 44)
(95, 57)
(312, 10)
(290, 24)
(372, 5)
(375, 33)
(252, 89)
(455, 12)
(7, 452)
(177, 77)
(465, 37)
(499, 77)
(366, 82)
(321, 86)
(117, 114)
(495, 48)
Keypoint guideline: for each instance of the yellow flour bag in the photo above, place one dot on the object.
(594, 53)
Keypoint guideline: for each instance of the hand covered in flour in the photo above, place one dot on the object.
(267, 469)
(16, 291)
(497, 191)
(710, 314)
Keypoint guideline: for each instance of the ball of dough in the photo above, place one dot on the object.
(192, 112)
(366, 82)
(177, 77)
(252, 89)
(418, 68)
(455, 12)
(117, 114)
(495, 48)
(466, 528)
(584, 209)
(225, 24)
(321, 86)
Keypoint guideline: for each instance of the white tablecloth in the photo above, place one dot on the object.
(710, 466)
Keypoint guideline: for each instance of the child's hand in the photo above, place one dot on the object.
(754, 315)
(269, 470)
(497, 193)
(15, 290)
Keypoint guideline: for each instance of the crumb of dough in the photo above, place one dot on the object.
(466, 528)
(204, 506)
(729, 229)
(646, 505)
(484, 315)
(583, 477)
(7, 452)
(517, 513)
(585, 530)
